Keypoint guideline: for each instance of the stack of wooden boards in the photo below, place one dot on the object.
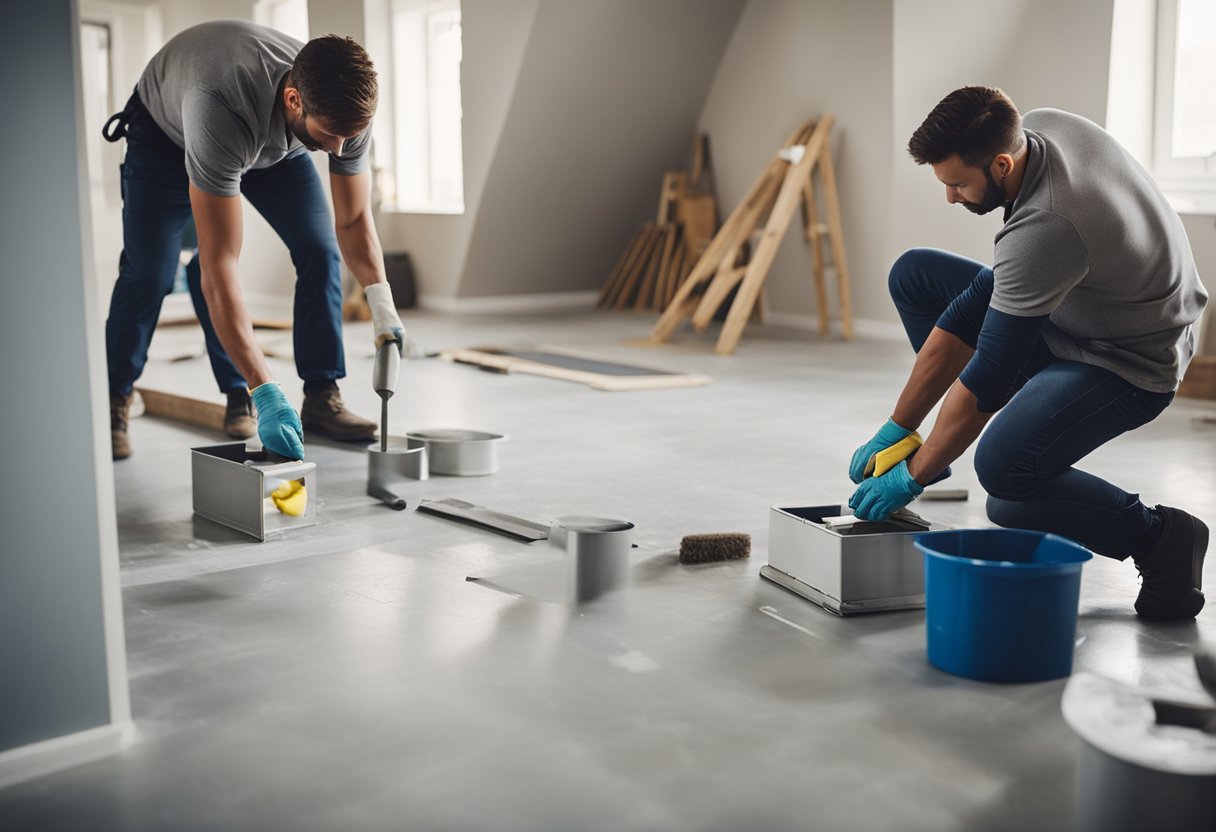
(733, 263)
(662, 254)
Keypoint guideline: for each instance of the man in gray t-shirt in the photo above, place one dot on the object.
(227, 109)
(1079, 331)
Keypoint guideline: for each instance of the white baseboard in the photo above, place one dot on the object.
(37, 759)
(512, 304)
(864, 327)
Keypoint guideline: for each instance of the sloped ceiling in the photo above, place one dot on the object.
(607, 97)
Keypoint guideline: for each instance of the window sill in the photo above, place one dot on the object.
(444, 210)
(1196, 199)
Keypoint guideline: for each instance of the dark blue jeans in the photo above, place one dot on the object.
(156, 208)
(1062, 411)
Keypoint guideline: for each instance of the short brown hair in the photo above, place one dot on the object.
(977, 123)
(337, 82)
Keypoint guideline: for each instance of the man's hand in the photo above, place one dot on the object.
(887, 435)
(385, 320)
(879, 497)
(278, 423)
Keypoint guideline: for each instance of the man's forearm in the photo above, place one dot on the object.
(958, 425)
(231, 321)
(360, 247)
(938, 365)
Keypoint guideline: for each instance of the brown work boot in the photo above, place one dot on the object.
(240, 417)
(1173, 571)
(325, 414)
(120, 406)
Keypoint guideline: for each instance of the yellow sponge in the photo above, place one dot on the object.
(291, 498)
(886, 459)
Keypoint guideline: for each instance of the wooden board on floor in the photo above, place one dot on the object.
(181, 408)
(568, 366)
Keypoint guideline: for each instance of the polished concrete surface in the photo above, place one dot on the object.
(348, 676)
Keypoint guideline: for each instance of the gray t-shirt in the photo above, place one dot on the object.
(1092, 242)
(214, 90)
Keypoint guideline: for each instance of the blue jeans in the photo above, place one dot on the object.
(156, 208)
(1062, 411)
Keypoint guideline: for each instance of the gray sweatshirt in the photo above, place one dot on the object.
(1092, 242)
(214, 90)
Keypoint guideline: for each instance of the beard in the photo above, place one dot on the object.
(298, 130)
(994, 197)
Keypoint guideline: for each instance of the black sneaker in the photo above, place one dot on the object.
(1172, 572)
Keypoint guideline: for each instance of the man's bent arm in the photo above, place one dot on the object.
(937, 366)
(357, 237)
(218, 220)
(958, 424)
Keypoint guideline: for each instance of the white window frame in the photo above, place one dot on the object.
(1189, 182)
(403, 131)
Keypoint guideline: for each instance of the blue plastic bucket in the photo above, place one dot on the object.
(1001, 604)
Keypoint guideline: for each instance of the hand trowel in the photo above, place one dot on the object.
(380, 461)
(384, 381)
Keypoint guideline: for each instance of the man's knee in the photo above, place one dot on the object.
(1002, 513)
(1003, 472)
(320, 259)
(907, 277)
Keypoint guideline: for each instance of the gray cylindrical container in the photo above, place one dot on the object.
(1139, 767)
(597, 549)
(458, 453)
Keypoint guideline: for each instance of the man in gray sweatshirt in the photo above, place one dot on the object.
(1079, 331)
(227, 109)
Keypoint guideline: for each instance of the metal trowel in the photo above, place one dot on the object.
(384, 381)
(380, 461)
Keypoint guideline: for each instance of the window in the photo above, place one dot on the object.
(418, 131)
(288, 16)
(1184, 137)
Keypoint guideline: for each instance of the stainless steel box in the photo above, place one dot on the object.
(232, 485)
(867, 568)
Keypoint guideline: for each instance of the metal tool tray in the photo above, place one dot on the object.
(230, 492)
(867, 567)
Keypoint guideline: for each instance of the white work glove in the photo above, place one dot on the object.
(385, 320)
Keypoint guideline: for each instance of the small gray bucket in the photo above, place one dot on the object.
(598, 552)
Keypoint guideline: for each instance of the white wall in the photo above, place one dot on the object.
(495, 35)
(1041, 52)
(789, 61)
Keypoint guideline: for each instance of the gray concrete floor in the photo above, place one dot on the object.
(348, 677)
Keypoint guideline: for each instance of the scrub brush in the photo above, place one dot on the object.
(704, 548)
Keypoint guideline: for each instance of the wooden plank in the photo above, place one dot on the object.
(836, 235)
(614, 276)
(182, 408)
(812, 236)
(639, 267)
(634, 254)
(674, 272)
(715, 295)
(646, 287)
(598, 381)
(648, 295)
(778, 221)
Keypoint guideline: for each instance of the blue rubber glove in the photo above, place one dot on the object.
(879, 497)
(278, 423)
(887, 435)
